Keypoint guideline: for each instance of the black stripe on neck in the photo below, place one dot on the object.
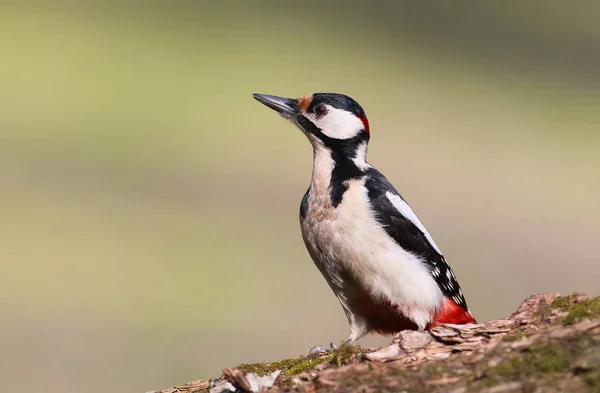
(342, 153)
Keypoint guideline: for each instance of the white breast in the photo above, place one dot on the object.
(348, 238)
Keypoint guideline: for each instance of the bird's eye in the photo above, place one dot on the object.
(320, 110)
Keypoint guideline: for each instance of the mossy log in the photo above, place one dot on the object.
(550, 344)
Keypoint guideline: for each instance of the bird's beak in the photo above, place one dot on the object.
(287, 107)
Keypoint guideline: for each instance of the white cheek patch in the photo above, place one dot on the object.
(338, 123)
(401, 205)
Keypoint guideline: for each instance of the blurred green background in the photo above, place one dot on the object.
(149, 205)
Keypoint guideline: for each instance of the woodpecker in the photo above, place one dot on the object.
(381, 263)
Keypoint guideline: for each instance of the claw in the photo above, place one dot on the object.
(333, 346)
(317, 349)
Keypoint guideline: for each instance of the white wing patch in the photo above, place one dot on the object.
(407, 212)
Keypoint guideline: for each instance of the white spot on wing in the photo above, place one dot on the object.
(401, 205)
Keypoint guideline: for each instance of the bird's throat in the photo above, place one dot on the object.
(332, 169)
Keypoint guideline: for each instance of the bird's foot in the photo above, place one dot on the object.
(321, 349)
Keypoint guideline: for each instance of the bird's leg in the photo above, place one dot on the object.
(358, 328)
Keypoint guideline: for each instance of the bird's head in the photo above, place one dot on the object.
(330, 120)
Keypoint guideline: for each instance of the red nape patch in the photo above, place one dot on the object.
(365, 122)
(451, 313)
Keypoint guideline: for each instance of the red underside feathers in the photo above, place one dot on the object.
(451, 313)
(385, 318)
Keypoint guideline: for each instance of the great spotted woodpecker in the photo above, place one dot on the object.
(376, 255)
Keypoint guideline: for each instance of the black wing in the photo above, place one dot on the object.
(409, 236)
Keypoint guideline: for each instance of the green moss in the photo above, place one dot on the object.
(533, 369)
(550, 358)
(577, 308)
(553, 359)
(288, 367)
(305, 365)
(293, 366)
(564, 302)
(589, 308)
(509, 369)
(344, 352)
(592, 380)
